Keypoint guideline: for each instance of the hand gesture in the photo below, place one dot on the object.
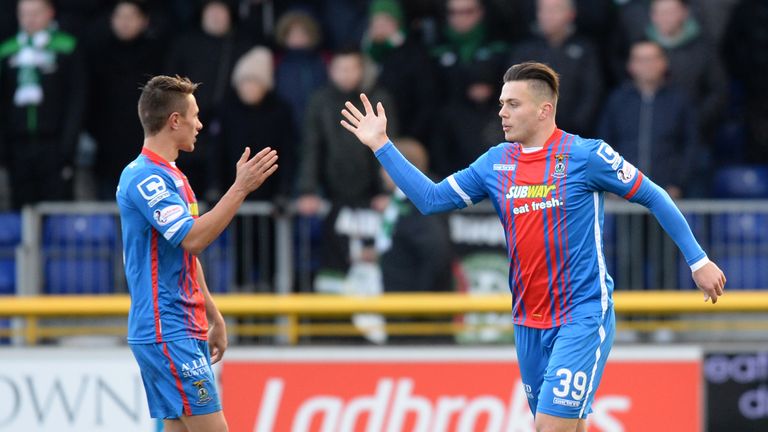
(370, 128)
(251, 173)
(711, 280)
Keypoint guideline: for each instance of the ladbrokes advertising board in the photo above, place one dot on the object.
(429, 389)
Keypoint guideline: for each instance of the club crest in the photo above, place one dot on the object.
(560, 165)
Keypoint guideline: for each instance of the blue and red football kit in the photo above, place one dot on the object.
(550, 202)
(167, 324)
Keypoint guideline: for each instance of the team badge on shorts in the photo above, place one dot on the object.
(203, 396)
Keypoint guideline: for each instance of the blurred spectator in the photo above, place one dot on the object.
(694, 66)
(256, 117)
(42, 99)
(206, 55)
(651, 122)
(332, 163)
(414, 250)
(601, 22)
(694, 63)
(573, 56)
(465, 45)
(404, 68)
(468, 127)
(633, 20)
(745, 48)
(118, 65)
(300, 68)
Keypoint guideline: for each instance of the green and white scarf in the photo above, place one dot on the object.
(32, 58)
(33, 55)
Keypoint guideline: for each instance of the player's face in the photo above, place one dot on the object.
(189, 125)
(34, 15)
(520, 111)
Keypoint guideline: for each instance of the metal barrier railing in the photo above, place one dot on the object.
(668, 310)
(266, 251)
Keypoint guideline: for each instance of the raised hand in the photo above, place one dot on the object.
(252, 172)
(711, 280)
(370, 128)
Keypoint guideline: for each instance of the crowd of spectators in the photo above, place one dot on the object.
(678, 86)
(275, 73)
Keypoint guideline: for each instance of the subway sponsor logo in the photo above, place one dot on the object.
(530, 191)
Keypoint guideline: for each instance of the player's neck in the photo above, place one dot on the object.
(162, 147)
(540, 137)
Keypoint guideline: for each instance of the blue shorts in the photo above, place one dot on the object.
(178, 378)
(561, 367)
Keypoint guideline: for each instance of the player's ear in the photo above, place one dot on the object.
(545, 110)
(173, 120)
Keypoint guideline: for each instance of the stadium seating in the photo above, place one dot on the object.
(10, 237)
(80, 254)
(65, 275)
(740, 243)
(7, 276)
(80, 230)
(744, 273)
(10, 229)
(741, 181)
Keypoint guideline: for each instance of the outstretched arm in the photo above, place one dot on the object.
(706, 274)
(608, 171)
(371, 129)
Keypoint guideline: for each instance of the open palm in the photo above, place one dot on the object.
(370, 128)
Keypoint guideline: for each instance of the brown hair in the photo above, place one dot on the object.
(541, 77)
(160, 97)
(305, 20)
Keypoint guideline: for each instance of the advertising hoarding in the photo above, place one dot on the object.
(424, 389)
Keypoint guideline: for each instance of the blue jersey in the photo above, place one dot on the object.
(157, 210)
(550, 203)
